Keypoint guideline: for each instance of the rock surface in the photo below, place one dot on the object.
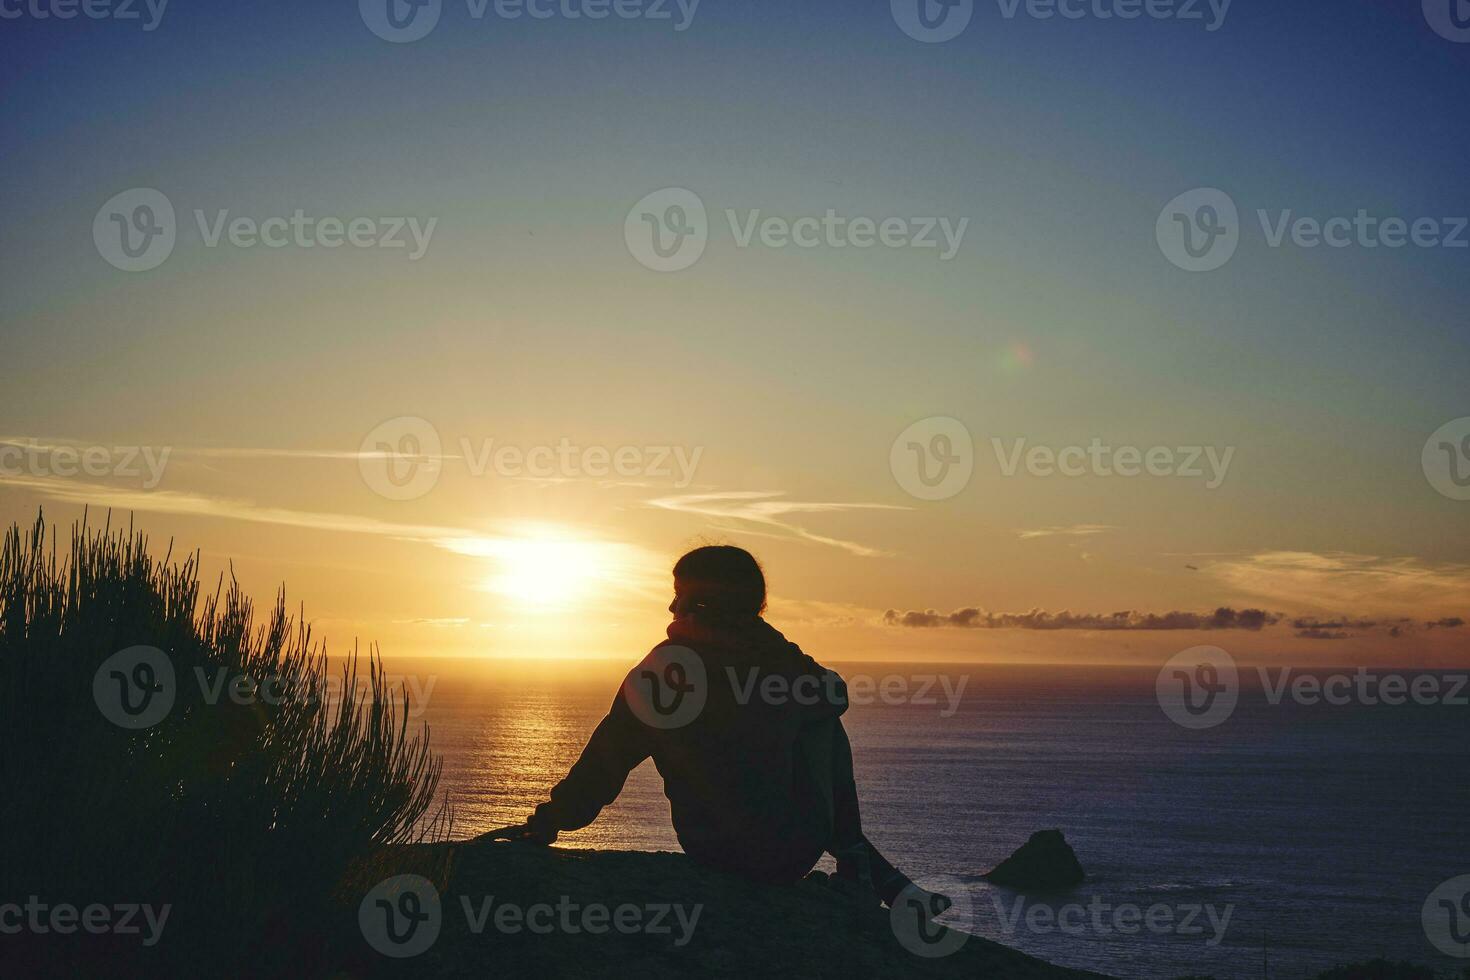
(1044, 863)
(743, 929)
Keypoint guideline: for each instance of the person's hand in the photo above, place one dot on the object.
(522, 833)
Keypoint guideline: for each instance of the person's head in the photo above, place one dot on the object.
(718, 580)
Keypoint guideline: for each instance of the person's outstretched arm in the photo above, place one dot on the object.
(615, 749)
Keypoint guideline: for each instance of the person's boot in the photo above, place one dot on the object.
(854, 874)
(896, 884)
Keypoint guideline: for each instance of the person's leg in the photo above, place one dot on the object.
(847, 844)
(834, 789)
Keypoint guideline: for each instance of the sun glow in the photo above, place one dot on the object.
(543, 567)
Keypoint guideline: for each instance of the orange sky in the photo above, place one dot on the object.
(481, 559)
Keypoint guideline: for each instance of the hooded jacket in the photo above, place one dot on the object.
(740, 793)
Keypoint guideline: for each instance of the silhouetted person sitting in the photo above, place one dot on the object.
(755, 761)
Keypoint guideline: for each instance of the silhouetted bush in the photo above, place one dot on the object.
(256, 816)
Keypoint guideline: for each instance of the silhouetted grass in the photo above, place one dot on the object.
(258, 822)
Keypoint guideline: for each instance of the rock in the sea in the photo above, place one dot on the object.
(1046, 862)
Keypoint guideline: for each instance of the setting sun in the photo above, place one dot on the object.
(544, 567)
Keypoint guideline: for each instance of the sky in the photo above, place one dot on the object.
(773, 372)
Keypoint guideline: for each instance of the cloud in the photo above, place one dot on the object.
(1312, 623)
(972, 617)
(1223, 618)
(1068, 530)
(1315, 633)
(817, 612)
(205, 505)
(1374, 585)
(636, 569)
(1312, 628)
(763, 509)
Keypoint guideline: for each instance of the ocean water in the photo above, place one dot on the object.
(1286, 840)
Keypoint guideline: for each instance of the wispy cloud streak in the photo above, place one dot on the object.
(1069, 531)
(766, 509)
